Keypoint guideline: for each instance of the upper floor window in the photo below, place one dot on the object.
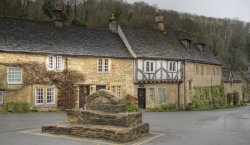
(172, 66)
(59, 63)
(149, 66)
(1, 97)
(103, 65)
(14, 75)
(55, 62)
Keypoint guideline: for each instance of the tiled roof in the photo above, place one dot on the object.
(42, 37)
(226, 75)
(153, 44)
(246, 75)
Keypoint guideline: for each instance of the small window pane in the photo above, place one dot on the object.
(106, 65)
(119, 93)
(99, 65)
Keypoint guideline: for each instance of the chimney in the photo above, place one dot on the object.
(159, 22)
(57, 14)
(113, 23)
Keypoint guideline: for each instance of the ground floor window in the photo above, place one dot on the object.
(161, 95)
(1, 97)
(117, 90)
(152, 94)
(44, 95)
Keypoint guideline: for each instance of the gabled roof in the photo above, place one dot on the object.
(227, 73)
(152, 44)
(42, 37)
(246, 75)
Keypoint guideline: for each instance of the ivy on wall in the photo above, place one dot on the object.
(36, 73)
(209, 97)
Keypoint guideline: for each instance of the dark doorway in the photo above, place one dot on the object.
(99, 87)
(142, 98)
(83, 93)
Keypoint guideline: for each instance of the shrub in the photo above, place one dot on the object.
(163, 108)
(131, 107)
(17, 106)
(201, 104)
(77, 23)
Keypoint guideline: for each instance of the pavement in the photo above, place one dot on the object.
(216, 127)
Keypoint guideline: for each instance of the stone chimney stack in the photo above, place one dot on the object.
(113, 23)
(57, 14)
(159, 22)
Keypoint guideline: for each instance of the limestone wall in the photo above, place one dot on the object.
(234, 87)
(199, 75)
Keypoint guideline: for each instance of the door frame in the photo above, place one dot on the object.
(84, 97)
(139, 100)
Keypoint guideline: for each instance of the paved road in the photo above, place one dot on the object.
(220, 127)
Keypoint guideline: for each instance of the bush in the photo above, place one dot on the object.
(163, 108)
(16, 107)
(131, 107)
(201, 104)
(77, 23)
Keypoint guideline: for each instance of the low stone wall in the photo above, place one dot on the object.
(120, 134)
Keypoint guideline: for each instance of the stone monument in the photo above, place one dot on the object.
(104, 116)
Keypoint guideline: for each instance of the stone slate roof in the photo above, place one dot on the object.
(246, 75)
(226, 73)
(42, 37)
(152, 44)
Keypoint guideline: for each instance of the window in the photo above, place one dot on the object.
(50, 95)
(51, 63)
(103, 65)
(39, 96)
(149, 66)
(152, 94)
(172, 66)
(59, 63)
(161, 95)
(190, 84)
(117, 90)
(14, 75)
(1, 97)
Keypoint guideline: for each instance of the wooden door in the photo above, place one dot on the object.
(83, 93)
(142, 98)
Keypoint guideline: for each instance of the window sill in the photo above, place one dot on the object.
(14, 83)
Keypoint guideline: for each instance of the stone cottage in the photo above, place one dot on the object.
(159, 65)
(99, 55)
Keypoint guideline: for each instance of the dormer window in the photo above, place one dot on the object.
(201, 47)
(186, 43)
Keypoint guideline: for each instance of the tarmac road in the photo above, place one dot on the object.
(218, 127)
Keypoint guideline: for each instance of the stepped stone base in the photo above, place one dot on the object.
(114, 133)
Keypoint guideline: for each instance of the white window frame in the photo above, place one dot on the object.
(119, 91)
(51, 62)
(103, 65)
(1, 97)
(151, 95)
(171, 65)
(149, 66)
(37, 95)
(59, 66)
(53, 95)
(8, 76)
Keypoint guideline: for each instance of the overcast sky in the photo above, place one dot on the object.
(239, 9)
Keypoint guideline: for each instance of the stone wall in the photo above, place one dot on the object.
(121, 74)
(198, 75)
(234, 87)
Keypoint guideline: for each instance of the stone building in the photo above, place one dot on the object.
(246, 84)
(99, 55)
(159, 65)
